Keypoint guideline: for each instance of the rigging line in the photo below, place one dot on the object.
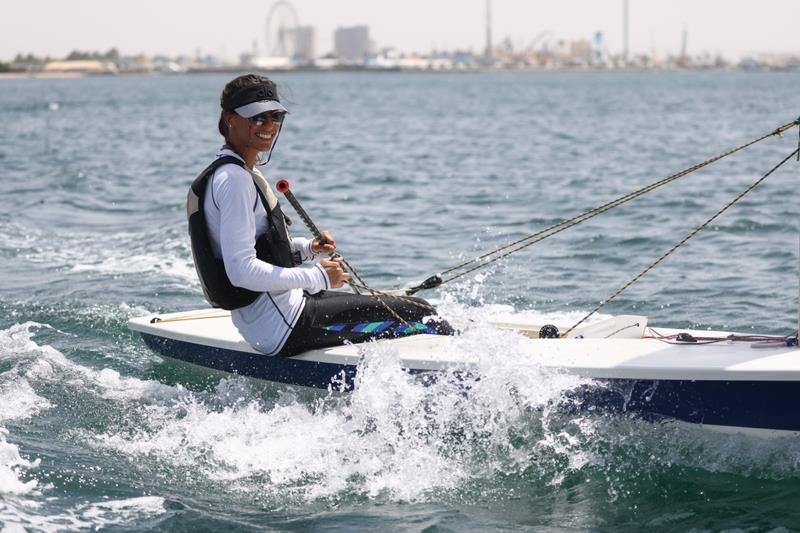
(220, 314)
(557, 228)
(376, 293)
(316, 233)
(682, 241)
(631, 195)
(283, 186)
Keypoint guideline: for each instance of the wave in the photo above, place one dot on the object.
(166, 255)
(81, 517)
(22, 495)
(462, 437)
(400, 437)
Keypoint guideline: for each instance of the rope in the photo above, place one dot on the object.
(377, 295)
(358, 283)
(682, 241)
(373, 292)
(376, 292)
(216, 314)
(684, 339)
(315, 231)
(539, 236)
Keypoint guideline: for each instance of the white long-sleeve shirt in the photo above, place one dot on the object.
(236, 218)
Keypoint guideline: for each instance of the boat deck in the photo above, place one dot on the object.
(622, 358)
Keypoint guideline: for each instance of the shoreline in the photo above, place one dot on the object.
(237, 70)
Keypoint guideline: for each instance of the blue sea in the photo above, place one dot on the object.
(413, 173)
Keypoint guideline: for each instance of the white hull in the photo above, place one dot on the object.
(702, 383)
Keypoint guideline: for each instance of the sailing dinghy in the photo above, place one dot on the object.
(719, 379)
(723, 380)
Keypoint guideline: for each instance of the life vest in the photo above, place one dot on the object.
(273, 247)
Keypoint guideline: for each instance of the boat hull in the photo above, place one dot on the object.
(732, 404)
(762, 405)
(289, 370)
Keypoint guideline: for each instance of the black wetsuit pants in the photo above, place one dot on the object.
(331, 318)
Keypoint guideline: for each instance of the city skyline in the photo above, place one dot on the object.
(735, 28)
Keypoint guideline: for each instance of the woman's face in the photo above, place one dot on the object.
(255, 133)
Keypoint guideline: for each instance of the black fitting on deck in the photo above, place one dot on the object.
(431, 282)
(549, 331)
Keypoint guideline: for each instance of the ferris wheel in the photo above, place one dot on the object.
(282, 22)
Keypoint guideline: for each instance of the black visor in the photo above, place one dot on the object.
(252, 93)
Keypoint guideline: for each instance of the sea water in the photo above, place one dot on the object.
(413, 173)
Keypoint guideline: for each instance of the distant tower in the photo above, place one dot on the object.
(625, 49)
(684, 39)
(488, 53)
(652, 44)
(598, 45)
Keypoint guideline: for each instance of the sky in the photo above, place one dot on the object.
(734, 28)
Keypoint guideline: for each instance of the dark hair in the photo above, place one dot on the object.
(233, 86)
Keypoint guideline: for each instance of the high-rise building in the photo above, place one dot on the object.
(598, 56)
(304, 44)
(351, 44)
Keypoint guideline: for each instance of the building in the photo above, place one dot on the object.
(580, 53)
(304, 40)
(599, 54)
(82, 66)
(352, 44)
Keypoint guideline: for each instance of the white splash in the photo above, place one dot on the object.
(47, 363)
(27, 516)
(13, 467)
(120, 511)
(21, 492)
(78, 253)
(395, 436)
(108, 262)
(17, 397)
(18, 401)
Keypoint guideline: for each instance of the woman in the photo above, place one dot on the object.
(247, 262)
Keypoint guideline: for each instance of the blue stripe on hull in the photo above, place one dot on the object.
(750, 404)
(272, 368)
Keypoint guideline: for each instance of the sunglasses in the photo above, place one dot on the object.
(275, 116)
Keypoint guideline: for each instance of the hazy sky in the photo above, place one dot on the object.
(226, 28)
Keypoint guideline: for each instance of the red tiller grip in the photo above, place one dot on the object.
(282, 186)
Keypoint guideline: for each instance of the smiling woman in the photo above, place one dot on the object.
(252, 99)
(248, 263)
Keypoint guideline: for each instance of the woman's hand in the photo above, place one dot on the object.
(333, 267)
(323, 244)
